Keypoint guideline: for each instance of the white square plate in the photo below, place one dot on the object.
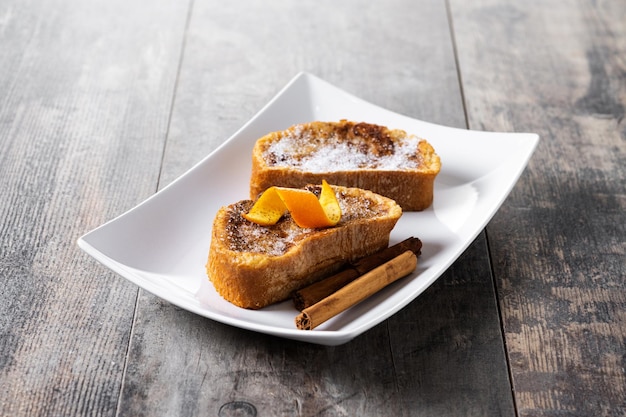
(162, 244)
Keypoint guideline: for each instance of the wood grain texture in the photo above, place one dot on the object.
(557, 68)
(447, 347)
(86, 91)
(394, 55)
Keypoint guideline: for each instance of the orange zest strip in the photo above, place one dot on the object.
(328, 200)
(305, 208)
(268, 209)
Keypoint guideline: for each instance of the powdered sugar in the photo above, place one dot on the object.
(246, 236)
(302, 150)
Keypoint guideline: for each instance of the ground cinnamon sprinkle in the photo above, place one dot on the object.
(285, 234)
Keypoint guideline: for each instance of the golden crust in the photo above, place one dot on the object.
(388, 162)
(253, 266)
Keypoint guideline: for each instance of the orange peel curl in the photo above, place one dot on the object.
(306, 209)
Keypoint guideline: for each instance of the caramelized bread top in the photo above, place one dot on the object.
(319, 147)
(244, 236)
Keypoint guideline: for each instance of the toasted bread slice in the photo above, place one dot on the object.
(253, 266)
(392, 163)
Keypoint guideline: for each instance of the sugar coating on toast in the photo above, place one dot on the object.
(343, 147)
(245, 236)
(389, 162)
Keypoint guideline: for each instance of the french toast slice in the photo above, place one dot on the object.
(253, 266)
(389, 162)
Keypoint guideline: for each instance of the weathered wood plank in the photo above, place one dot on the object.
(447, 345)
(400, 56)
(557, 68)
(86, 89)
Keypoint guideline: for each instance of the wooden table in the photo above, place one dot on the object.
(105, 102)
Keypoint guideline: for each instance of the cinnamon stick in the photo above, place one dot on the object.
(310, 295)
(357, 291)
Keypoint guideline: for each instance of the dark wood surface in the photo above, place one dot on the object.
(103, 103)
(558, 245)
